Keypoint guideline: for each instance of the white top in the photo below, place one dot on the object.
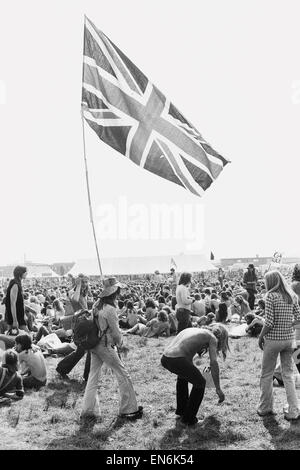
(183, 297)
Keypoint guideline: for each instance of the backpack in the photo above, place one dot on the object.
(85, 330)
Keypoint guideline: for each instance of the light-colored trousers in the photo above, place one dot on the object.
(272, 348)
(108, 355)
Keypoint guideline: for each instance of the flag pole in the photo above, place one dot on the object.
(86, 171)
(89, 193)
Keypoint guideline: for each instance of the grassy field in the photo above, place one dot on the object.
(49, 419)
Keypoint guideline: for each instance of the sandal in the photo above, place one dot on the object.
(133, 416)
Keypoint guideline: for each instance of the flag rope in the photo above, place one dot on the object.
(89, 193)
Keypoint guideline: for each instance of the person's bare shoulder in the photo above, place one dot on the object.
(208, 335)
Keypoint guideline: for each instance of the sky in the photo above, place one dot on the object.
(232, 68)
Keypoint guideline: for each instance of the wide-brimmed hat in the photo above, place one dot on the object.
(111, 285)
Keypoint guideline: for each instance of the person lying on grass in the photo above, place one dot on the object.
(178, 359)
(32, 361)
(11, 383)
(156, 327)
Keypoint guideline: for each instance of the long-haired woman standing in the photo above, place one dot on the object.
(277, 338)
(105, 313)
(184, 301)
(14, 301)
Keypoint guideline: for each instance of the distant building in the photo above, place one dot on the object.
(38, 269)
(257, 261)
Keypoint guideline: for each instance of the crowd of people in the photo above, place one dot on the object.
(37, 319)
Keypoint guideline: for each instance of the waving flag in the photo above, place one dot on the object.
(277, 257)
(173, 264)
(131, 115)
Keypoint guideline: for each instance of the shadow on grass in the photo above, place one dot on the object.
(282, 438)
(171, 438)
(67, 385)
(87, 437)
(62, 391)
(206, 434)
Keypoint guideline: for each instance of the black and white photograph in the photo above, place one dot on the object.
(149, 237)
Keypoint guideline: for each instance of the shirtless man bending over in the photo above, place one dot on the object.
(178, 359)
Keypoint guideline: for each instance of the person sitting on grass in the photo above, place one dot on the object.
(11, 383)
(62, 327)
(161, 302)
(214, 303)
(221, 314)
(32, 361)
(151, 310)
(130, 317)
(172, 320)
(241, 307)
(210, 318)
(260, 311)
(58, 308)
(202, 320)
(158, 326)
(255, 324)
(198, 305)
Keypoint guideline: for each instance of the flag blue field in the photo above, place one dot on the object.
(131, 115)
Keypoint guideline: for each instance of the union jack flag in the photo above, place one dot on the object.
(131, 115)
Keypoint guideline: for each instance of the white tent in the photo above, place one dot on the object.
(142, 265)
(40, 270)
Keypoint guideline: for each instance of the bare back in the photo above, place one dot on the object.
(190, 342)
